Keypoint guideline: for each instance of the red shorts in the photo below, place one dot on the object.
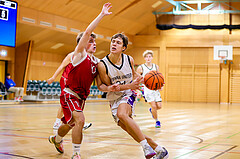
(69, 104)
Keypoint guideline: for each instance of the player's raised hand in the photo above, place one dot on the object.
(105, 9)
(114, 88)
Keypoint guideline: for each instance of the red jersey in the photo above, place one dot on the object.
(63, 80)
(67, 70)
(81, 76)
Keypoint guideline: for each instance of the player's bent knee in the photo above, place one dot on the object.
(79, 122)
(122, 116)
(154, 106)
(159, 105)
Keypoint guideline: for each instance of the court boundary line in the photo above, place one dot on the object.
(206, 146)
(224, 152)
(10, 154)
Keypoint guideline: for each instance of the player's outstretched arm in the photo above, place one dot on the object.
(86, 35)
(64, 63)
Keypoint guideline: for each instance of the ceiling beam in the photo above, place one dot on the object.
(181, 6)
(50, 21)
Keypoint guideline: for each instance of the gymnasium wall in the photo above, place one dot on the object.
(10, 58)
(185, 58)
(43, 65)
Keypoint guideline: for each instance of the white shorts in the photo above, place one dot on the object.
(152, 96)
(128, 97)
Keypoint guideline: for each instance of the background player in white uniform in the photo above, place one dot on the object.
(118, 68)
(153, 97)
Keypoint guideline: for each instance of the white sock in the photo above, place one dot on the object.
(156, 119)
(158, 148)
(76, 148)
(58, 120)
(58, 138)
(143, 143)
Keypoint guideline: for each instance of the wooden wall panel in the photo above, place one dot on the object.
(200, 89)
(173, 88)
(21, 62)
(234, 94)
(193, 73)
(213, 89)
(2, 71)
(138, 54)
(10, 58)
(186, 86)
(43, 65)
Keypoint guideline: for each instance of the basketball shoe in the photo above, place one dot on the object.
(161, 154)
(76, 156)
(148, 152)
(20, 99)
(158, 124)
(58, 146)
(87, 125)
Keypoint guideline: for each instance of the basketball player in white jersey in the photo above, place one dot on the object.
(118, 68)
(153, 97)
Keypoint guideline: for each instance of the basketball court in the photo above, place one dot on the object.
(189, 131)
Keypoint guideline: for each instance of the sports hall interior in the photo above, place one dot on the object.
(201, 96)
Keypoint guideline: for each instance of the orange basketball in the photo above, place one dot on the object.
(154, 80)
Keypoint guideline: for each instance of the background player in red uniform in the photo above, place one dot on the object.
(80, 78)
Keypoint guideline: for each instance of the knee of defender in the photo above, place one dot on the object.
(79, 122)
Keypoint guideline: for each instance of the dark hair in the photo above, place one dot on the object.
(8, 74)
(123, 37)
(81, 34)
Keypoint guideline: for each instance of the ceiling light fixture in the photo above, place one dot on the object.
(155, 5)
(58, 45)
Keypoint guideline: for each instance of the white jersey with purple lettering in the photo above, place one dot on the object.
(121, 74)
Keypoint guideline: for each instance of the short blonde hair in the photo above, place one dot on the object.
(147, 52)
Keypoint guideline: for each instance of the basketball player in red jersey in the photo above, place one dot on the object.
(118, 67)
(66, 65)
(80, 78)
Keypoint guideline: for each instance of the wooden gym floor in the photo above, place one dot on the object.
(189, 131)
